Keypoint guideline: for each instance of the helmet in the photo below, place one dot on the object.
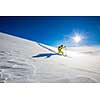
(61, 45)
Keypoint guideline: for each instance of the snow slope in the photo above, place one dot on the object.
(26, 61)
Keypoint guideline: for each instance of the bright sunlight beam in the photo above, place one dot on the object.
(77, 38)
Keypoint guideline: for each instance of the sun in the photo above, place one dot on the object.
(77, 38)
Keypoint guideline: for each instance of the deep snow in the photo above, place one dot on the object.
(26, 61)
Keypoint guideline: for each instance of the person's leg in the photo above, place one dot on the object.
(59, 51)
(62, 52)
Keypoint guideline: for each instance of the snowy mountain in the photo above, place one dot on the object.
(26, 61)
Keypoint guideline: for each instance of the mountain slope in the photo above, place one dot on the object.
(26, 61)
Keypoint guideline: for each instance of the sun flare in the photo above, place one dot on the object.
(77, 38)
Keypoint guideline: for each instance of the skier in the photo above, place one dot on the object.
(60, 49)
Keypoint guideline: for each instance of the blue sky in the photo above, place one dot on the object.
(53, 30)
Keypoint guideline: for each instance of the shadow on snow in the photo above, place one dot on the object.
(47, 55)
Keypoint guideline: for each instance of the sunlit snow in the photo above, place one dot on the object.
(26, 61)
